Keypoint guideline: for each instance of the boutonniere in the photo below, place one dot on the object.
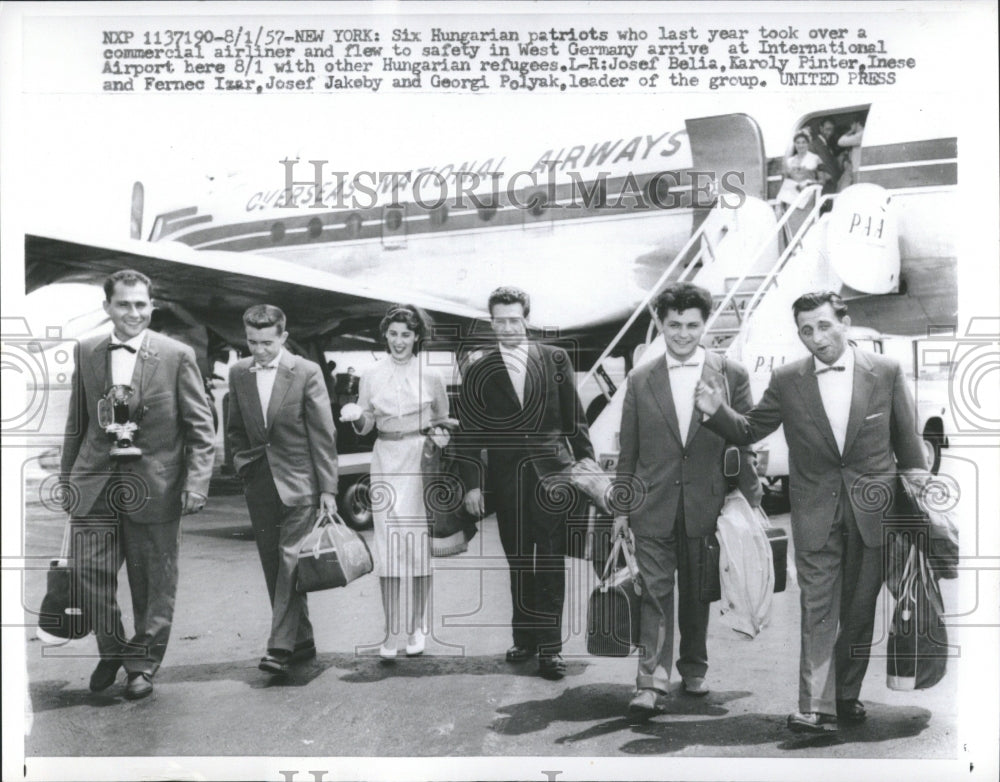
(144, 354)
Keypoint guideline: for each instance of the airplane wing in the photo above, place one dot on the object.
(215, 288)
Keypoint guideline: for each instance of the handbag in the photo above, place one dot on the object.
(613, 609)
(916, 503)
(918, 641)
(61, 617)
(331, 555)
(451, 526)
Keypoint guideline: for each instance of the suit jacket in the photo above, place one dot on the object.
(298, 440)
(549, 431)
(820, 146)
(881, 425)
(175, 433)
(660, 465)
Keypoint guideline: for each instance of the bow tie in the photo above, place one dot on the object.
(831, 369)
(686, 364)
(262, 368)
(122, 345)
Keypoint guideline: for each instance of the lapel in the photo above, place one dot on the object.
(498, 368)
(659, 383)
(808, 389)
(282, 382)
(246, 388)
(712, 370)
(861, 396)
(99, 364)
(147, 361)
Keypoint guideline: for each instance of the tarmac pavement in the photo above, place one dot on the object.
(459, 699)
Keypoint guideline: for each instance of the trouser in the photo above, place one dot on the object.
(100, 541)
(658, 558)
(278, 530)
(839, 587)
(533, 535)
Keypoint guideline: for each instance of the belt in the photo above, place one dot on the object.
(399, 435)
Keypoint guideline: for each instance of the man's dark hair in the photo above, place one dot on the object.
(262, 316)
(680, 296)
(414, 318)
(508, 294)
(126, 277)
(808, 302)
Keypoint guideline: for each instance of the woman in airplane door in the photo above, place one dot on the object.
(800, 171)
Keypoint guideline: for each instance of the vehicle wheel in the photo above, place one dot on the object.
(355, 504)
(932, 452)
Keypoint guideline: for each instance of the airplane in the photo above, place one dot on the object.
(587, 228)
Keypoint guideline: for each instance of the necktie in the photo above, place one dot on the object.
(830, 369)
(117, 345)
(261, 368)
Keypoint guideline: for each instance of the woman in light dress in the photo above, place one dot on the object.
(406, 400)
(800, 171)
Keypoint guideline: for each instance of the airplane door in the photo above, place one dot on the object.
(729, 143)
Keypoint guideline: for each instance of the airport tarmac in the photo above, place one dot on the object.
(459, 699)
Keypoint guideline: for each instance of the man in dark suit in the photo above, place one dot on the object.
(677, 466)
(130, 510)
(519, 402)
(284, 449)
(822, 145)
(848, 419)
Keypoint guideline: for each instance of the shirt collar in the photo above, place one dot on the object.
(520, 349)
(697, 358)
(135, 342)
(275, 362)
(846, 361)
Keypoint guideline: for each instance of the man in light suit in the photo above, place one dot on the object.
(130, 510)
(284, 448)
(848, 419)
(519, 402)
(680, 487)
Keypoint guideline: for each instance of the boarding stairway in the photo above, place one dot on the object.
(739, 284)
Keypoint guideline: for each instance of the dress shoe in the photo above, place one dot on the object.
(303, 652)
(518, 654)
(415, 644)
(812, 722)
(551, 666)
(139, 686)
(851, 710)
(695, 685)
(643, 705)
(104, 674)
(275, 661)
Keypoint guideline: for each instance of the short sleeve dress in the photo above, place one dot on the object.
(403, 399)
(790, 187)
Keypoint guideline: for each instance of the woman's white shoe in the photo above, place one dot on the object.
(387, 652)
(415, 644)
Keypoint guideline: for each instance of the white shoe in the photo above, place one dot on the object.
(387, 652)
(415, 644)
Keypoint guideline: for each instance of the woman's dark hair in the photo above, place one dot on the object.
(414, 318)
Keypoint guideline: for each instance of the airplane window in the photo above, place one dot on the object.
(315, 228)
(353, 224)
(277, 232)
(537, 204)
(393, 219)
(439, 216)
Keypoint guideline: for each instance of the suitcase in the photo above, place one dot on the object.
(613, 610)
(779, 553)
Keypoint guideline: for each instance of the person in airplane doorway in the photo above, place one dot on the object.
(284, 449)
(848, 419)
(519, 402)
(800, 170)
(678, 466)
(129, 506)
(822, 144)
(405, 398)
